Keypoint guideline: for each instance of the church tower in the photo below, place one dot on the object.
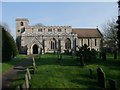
(21, 25)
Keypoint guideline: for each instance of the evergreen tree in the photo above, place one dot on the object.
(9, 48)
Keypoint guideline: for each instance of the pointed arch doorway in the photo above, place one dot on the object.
(35, 49)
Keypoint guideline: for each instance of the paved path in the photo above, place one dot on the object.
(13, 72)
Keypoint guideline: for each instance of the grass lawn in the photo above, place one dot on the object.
(67, 73)
(7, 65)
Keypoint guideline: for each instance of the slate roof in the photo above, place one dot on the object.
(87, 33)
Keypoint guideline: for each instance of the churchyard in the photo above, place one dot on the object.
(7, 65)
(48, 71)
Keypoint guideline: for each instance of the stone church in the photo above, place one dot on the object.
(48, 39)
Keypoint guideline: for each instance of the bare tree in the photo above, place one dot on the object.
(118, 26)
(39, 24)
(110, 35)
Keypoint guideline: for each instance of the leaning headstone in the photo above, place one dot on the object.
(28, 73)
(91, 74)
(26, 81)
(112, 84)
(101, 78)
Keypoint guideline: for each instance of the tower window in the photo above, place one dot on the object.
(21, 23)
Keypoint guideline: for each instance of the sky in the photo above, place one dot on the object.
(75, 14)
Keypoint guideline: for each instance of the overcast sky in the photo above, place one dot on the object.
(75, 14)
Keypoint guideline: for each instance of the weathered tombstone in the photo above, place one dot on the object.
(112, 84)
(91, 74)
(101, 78)
(28, 73)
(26, 81)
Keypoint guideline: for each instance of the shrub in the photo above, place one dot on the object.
(9, 48)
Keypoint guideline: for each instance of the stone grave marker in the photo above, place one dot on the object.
(101, 78)
(112, 84)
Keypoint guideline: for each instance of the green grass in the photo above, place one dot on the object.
(7, 65)
(67, 73)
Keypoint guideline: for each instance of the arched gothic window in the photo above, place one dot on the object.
(53, 44)
(67, 44)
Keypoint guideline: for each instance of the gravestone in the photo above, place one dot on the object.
(91, 74)
(28, 73)
(101, 78)
(112, 84)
